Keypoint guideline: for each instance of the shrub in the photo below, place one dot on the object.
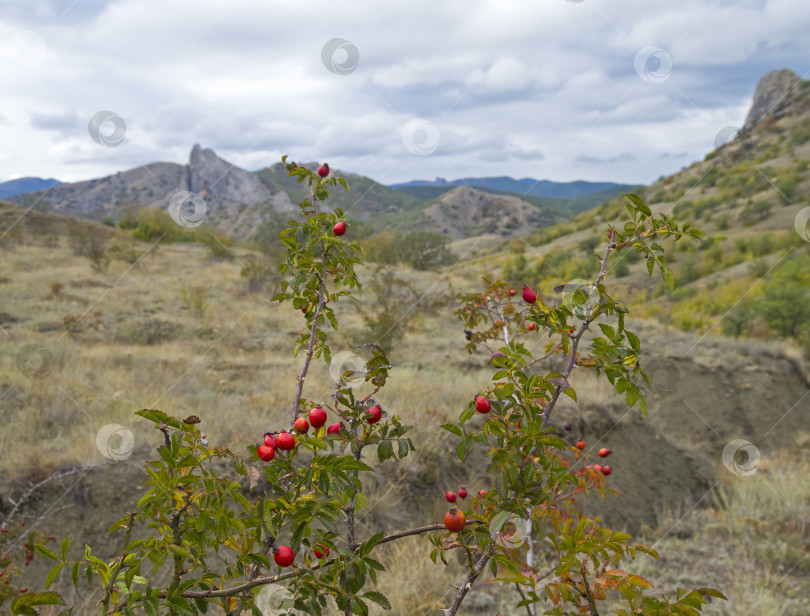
(89, 240)
(310, 493)
(147, 332)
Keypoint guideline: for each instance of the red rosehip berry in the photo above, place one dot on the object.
(339, 229)
(270, 439)
(604, 452)
(317, 417)
(450, 496)
(334, 428)
(606, 470)
(301, 425)
(482, 405)
(512, 291)
(482, 493)
(580, 444)
(284, 556)
(529, 296)
(320, 554)
(265, 453)
(373, 415)
(323, 170)
(285, 441)
(462, 492)
(304, 308)
(597, 468)
(23, 590)
(531, 327)
(455, 520)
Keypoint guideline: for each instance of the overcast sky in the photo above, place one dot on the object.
(618, 90)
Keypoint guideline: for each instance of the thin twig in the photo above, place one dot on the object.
(468, 581)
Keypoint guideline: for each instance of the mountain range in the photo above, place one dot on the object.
(24, 185)
(238, 201)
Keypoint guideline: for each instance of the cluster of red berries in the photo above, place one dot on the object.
(317, 418)
(462, 493)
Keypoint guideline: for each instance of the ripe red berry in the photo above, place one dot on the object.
(529, 296)
(512, 291)
(317, 417)
(450, 496)
(5, 530)
(305, 308)
(334, 428)
(270, 440)
(373, 415)
(568, 426)
(597, 468)
(285, 441)
(482, 405)
(455, 520)
(265, 453)
(284, 556)
(604, 452)
(339, 229)
(580, 444)
(462, 492)
(318, 553)
(531, 327)
(301, 425)
(323, 170)
(51, 538)
(482, 493)
(606, 470)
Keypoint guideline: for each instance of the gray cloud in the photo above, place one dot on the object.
(546, 90)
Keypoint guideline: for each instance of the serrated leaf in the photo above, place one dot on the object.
(53, 573)
(378, 598)
(454, 429)
(42, 550)
(19, 605)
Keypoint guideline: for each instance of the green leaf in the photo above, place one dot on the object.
(53, 573)
(365, 548)
(385, 450)
(378, 598)
(454, 429)
(42, 550)
(23, 603)
(461, 450)
(359, 606)
(151, 606)
(74, 575)
(181, 606)
(65, 548)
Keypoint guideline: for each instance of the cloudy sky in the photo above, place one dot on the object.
(620, 90)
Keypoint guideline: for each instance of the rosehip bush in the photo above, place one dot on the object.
(288, 517)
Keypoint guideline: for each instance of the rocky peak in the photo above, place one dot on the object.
(771, 93)
(216, 179)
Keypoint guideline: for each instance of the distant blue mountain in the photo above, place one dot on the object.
(24, 185)
(524, 186)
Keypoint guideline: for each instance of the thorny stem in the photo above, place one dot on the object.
(260, 581)
(572, 357)
(120, 562)
(468, 581)
(350, 520)
(312, 332)
(589, 594)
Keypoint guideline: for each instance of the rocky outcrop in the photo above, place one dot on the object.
(773, 91)
(216, 179)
